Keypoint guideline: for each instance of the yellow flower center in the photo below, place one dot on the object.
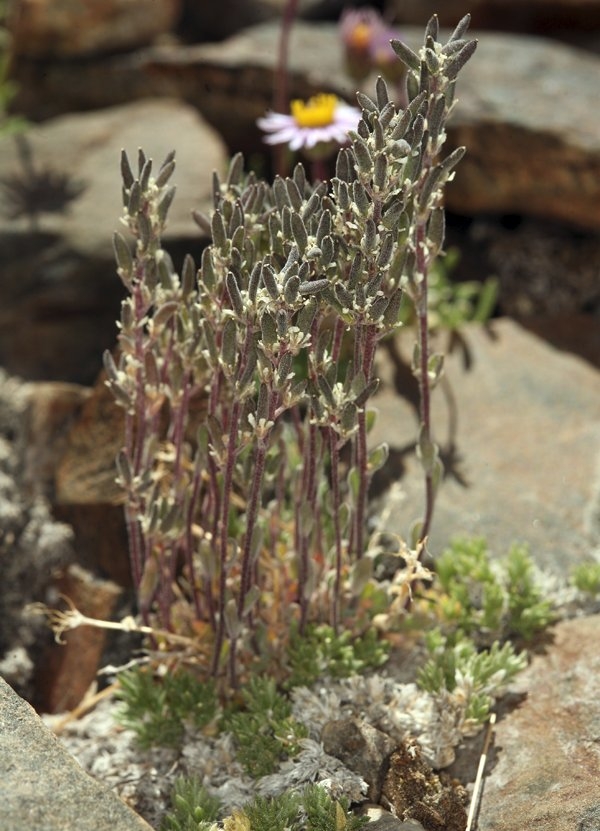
(318, 111)
(360, 37)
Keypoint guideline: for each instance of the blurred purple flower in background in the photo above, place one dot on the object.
(366, 38)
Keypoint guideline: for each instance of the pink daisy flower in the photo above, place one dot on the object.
(322, 120)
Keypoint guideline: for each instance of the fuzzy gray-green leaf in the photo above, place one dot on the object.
(280, 194)
(432, 29)
(229, 345)
(207, 271)
(145, 175)
(310, 207)
(365, 103)
(236, 170)
(270, 283)
(360, 198)
(135, 198)
(235, 296)
(123, 255)
(306, 315)
(165, 203)
(188, 276)
(454, 66)
(219, 234)
(392, 312)
(268, 328)
(313, 287)
(461, 28)
(166, 170)
(126, 171)
(406, 55)
(382, 93)
(364, 159)
(299, 232)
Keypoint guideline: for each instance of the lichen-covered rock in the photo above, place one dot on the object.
(414, 791)
(32, 543)
(362, 748)
(42, 787)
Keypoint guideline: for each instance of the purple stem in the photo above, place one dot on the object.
(369, 341)
(334, 453)
(281, 92)
(224, 522)
(424, 388)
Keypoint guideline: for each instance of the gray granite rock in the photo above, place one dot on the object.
(46, 27)
(520, 434)
(524, 107)
(60, 294)
(543, 773)
(42, 787)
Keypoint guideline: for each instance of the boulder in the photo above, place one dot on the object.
(517, 423)
(533, 16)
(59, 207)
(543, 268)
(74, 28)
(68, 669)
(32, 544)
(42, 786)
(543, 771)
(523, 111)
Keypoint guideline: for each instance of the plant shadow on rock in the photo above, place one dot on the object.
(36, 190)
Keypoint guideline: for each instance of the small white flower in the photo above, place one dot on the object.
(323, 119)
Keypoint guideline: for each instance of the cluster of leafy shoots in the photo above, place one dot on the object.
(246, 483)
(320, 652)
(482, 675)
(158, 709)
(265, 731)
(192, 807)
(311, 809)
(487, 600)
(586, 578)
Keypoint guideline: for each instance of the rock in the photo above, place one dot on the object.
(544, 771)
(534, 16)
(42, 787)
(51, 409)
(60, 295)
(576, 333)
(86, 494)
(518, 426)
(381, 820)
(362, 748)
(414, 791)
(32, 544)
(543, 268)
(74, 28)
(526, 154)
(211, 21)
(67, 669)
(533, 143)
